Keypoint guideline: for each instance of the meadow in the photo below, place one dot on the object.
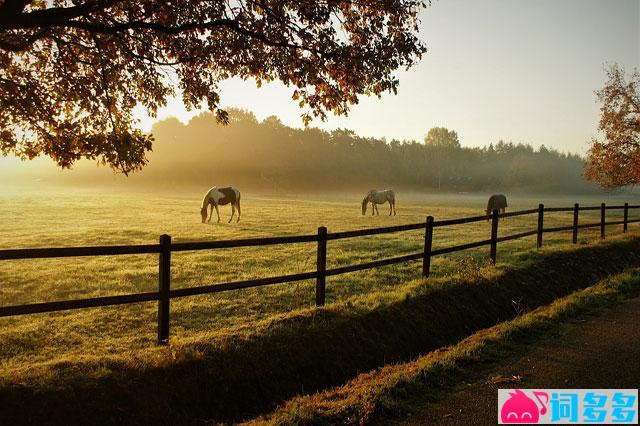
(57, 218)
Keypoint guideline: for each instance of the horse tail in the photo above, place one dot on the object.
(238, 205)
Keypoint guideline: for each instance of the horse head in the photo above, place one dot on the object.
(203, 213)
(364, 204)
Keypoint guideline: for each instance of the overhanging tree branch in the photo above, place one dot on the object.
(13, 19)
(62, 83)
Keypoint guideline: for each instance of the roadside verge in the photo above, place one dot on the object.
(388, 392)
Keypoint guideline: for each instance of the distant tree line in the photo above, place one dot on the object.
(269, 155)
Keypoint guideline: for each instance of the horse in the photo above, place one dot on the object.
(379, 197)
(496, 202)
(219, 197)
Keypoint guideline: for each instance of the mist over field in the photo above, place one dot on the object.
(268, 157)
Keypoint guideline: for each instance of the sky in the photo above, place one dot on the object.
(516, 70)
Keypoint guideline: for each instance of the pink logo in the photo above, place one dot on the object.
(519, 408)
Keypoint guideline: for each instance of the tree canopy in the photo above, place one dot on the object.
(72, 71)
(615, 160)
(442, 137)
(269, 156)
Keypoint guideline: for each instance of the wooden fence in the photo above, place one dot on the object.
(166, 247)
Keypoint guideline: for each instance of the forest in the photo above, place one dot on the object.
(268, 155)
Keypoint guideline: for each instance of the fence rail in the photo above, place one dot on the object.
(42, 253)
(166, 247)
(248, 242)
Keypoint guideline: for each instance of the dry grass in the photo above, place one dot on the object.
(387, 393)
(52, 219)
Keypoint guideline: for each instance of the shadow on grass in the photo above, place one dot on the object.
(303, 352)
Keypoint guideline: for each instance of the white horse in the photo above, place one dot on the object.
(379, 197)
(219, 197)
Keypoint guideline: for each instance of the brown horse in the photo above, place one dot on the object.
(496, 202)
(219, 197)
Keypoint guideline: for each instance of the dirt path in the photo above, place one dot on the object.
(596, 352)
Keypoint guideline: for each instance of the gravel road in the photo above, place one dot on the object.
(600, 351)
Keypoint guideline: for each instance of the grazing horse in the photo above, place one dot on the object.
(219, 197)
(379, 197)
(496, 202)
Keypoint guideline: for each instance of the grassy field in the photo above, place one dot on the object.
(390, 393)
(57, 219)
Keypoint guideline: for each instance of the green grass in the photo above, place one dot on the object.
(387, 392)
(56, 218)
(236, 354)
(234, 374)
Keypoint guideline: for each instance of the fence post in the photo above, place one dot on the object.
(626, 217)
(322, 265)
(428, 240)
(602, 208)
(576, 209)
(540, 224)
(164, 285)
(494, 236)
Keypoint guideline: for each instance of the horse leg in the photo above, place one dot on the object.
(373, 208)
(390, 208)
(233, 211)
(238, 220)
(218, 212)
(394, 208)
(377, 211)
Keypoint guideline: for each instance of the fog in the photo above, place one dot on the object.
(269, 157)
